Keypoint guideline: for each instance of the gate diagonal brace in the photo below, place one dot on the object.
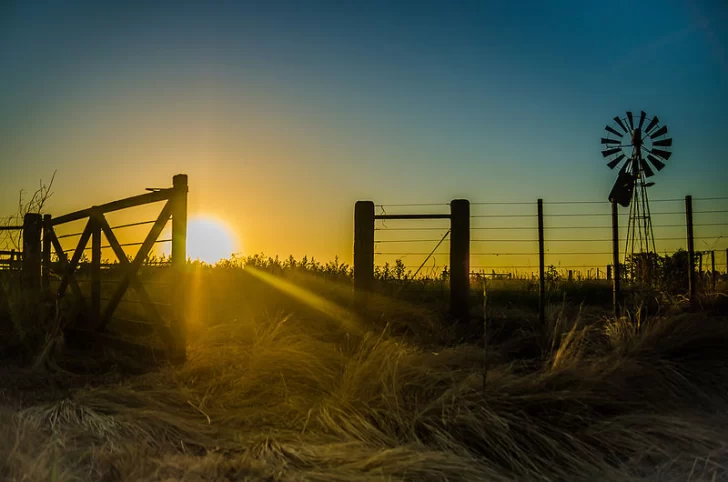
(69, 277)
(131, 270)
(71, 269)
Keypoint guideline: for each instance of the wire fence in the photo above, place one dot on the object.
(577, 235)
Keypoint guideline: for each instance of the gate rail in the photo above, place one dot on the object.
(175, 207)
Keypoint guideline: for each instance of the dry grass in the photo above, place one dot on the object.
(294, 397)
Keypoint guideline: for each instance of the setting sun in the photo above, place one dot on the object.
(209, 240)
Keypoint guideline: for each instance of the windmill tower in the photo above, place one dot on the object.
(638, 150)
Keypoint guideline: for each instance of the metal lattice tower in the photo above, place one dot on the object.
(638, 152)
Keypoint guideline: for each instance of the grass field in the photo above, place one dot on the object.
(285, 381)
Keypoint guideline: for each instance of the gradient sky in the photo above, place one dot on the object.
(284, 114)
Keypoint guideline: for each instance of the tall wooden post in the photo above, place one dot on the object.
(691, 247)
(541, 266)
(32, 228)
(95, 270)
(46, 254)
(179, 261)
(616, 277)
(460, 259)
(363, 249)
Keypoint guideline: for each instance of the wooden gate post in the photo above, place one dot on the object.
(541, 267)
(179, 262)
(460, 259)
(32, 228)
(363, 249)
(95, 270)
(691, 247)
(46, 254)
(616, 285)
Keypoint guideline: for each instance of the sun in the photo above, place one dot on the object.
(209, 240)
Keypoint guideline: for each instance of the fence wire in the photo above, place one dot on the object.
(577, 235)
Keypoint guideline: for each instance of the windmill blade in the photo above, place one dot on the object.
(659, 165)
(643, 115)
(652, 124)
(659, 132)
(663, 142)
(612, 151)
(646, 168)
(630, 120)
(621, 124)
(610, 141)
(663, 154)
(613, 131)
(613, 163)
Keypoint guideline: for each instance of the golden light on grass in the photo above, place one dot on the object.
(209, 240)
(346, 318)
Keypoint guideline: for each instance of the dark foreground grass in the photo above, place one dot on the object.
(288, 397)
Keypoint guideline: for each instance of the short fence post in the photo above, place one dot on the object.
(179, 261)
(726, 261)
(700, 264)
(460, 259)
(712, 269)
(363, 250)
(95, 270)
(46, 254)
(691, 247)
(609, 272)
(32, 228)
(616, 277)
(541, 267)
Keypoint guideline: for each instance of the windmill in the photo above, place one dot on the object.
(637, 149)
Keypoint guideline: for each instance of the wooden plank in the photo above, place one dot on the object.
(131, 269)
(130, 202)
(412, 216)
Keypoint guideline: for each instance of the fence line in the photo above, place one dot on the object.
(572, 249)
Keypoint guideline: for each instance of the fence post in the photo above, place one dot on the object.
(712, 269)
(46, 254)
(32, 227)
(363, 249)
(691, 247)
(179, 261)
(541, 267)
(609, 272)
(699, 254)
(460, 259)
(95, 270)
(616, 277)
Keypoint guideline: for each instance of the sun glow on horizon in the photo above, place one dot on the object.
(209, 240)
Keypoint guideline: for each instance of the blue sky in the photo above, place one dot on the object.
(285, 113)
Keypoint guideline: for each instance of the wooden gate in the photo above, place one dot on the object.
(96, 311)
